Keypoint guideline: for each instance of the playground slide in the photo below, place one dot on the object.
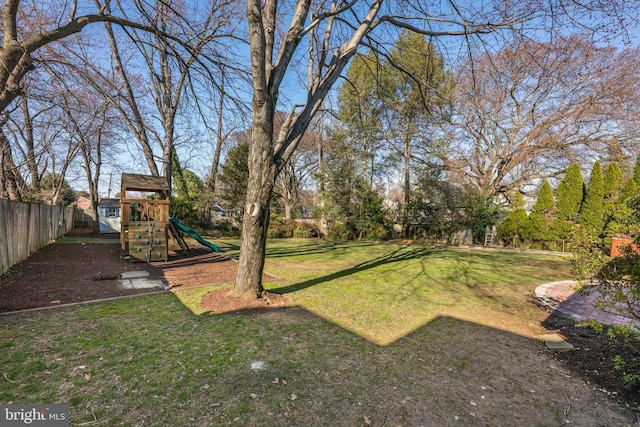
(193, 234)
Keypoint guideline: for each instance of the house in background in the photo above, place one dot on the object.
(83, 203)
(83, 214)
(109, 215)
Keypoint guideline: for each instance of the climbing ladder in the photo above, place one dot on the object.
(489, 236)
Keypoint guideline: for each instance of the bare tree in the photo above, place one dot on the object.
(29, 30)
(11, 182)
(528, 111)
(296, 170)
(175, 40)
(28, 27)
(20, 126)
(169, 67)
(41, 143)
(93, 121)
(219, 101)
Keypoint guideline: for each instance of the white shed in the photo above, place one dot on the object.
(109, 215)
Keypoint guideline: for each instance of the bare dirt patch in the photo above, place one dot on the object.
(222, 301)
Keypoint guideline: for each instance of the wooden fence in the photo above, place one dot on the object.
(27, 227)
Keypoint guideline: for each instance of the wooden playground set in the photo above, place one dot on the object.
(145, 224)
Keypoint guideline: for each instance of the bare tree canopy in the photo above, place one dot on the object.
(183, 45)
(528, 111)
(28, 27)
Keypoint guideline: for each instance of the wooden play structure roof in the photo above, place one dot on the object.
(136, 182)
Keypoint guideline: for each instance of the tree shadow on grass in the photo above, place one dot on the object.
(308, 247)
(311, 247)
(403, 253)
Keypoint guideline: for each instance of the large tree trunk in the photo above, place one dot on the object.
(254, 238)
(10, 180)
(256, 213)
(265, 157)
(30, 144)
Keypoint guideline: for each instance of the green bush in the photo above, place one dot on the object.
(342, 231)
(305, 230)
(377, 232)
(280, 231)
(223, 228)
(275, 218)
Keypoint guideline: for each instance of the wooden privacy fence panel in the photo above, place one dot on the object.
(27, 227)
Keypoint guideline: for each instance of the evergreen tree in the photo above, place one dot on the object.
(55, 190)
(234, 177)
(612, 181)
(420, 92)
(537, 227)
(636, 172)
(592, 213)
(351, 205)
(186, 195)
(396, 99)
(480, 212)
(621, 220)
(361, 107)
(629, 191)
(612, 185)
(568, 200)
(510, 229)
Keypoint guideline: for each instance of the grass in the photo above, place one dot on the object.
(384, 291)
(395, 350)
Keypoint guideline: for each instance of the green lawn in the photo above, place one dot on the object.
(386, 333)
(384, 291)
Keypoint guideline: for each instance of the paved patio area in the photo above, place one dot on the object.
(563, 298)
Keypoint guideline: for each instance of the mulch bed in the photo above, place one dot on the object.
(222, 301)
(594, 355)
(63, 273)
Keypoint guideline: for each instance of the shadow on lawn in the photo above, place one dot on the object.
(308, 248)
(403, 253)
(314, 247)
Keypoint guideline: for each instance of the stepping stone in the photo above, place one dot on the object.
(134, 274)
(555, 342)
(141, 283)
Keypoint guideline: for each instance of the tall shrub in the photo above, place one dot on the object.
(568, 200)
(592, 212)
(636, 172)
(538, 225)
(621, 220)
(509, 230)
